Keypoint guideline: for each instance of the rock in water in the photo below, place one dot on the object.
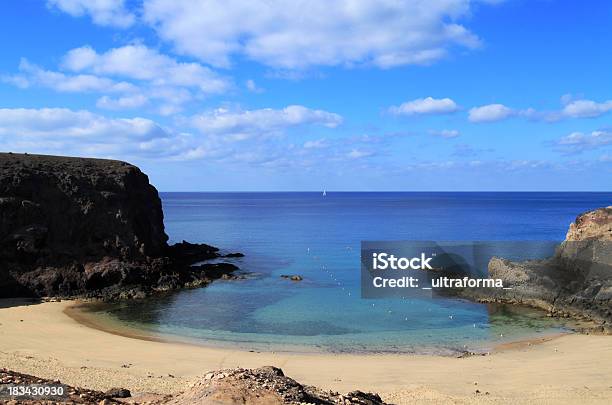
(71, 226)
(576, 281)
(292, 277)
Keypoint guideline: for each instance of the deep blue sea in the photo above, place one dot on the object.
(319, 238)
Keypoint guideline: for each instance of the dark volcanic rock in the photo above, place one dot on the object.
(75, 226)
(192, 252)
(67, 207)
(217, 270)
(576, 281)
(234, 255)
(292, 277)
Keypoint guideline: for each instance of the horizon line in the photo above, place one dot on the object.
(387, 191)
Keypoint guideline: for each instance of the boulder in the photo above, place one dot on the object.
(264, 385)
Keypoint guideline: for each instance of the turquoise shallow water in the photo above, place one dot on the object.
(319, 238)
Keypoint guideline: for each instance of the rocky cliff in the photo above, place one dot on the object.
(575, 282)
(71, 226)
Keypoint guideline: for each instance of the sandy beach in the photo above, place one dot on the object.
(42, 340)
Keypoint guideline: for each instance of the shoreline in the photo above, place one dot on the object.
(41, 339)
(77, 312)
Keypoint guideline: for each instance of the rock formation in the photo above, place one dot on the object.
(75, 226)
(292, 277)
(265, 386)
(575, 282)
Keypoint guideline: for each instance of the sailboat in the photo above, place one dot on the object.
(324, 193)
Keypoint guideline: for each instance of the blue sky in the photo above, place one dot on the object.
(209, 95)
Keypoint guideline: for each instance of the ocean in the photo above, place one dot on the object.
(318, 237)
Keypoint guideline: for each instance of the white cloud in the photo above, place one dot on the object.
(120, 103)
(490, 113)
(445, 133)
(64, 131)
(294, 35)
(245, 124)
(586, 108)
(127, 77)
(102, 12)
(577, 142)
(78, 124)
(142, 63)
(427, 105)
(573, 108)
(32, 75)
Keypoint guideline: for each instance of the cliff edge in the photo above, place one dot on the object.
(576, 282)
(74, 226)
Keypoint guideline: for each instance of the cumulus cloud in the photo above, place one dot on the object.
(33, 75)
(68, 132)
(128, 77)
(102, 12)
(78, 124)
(577, 142)
(422, 106)
(586, 108)
(572, 108)
(164, 100)
(295, 35)
(142, 63)
(490, 113)
(575, 108)
(64, 131)
(246, 124)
